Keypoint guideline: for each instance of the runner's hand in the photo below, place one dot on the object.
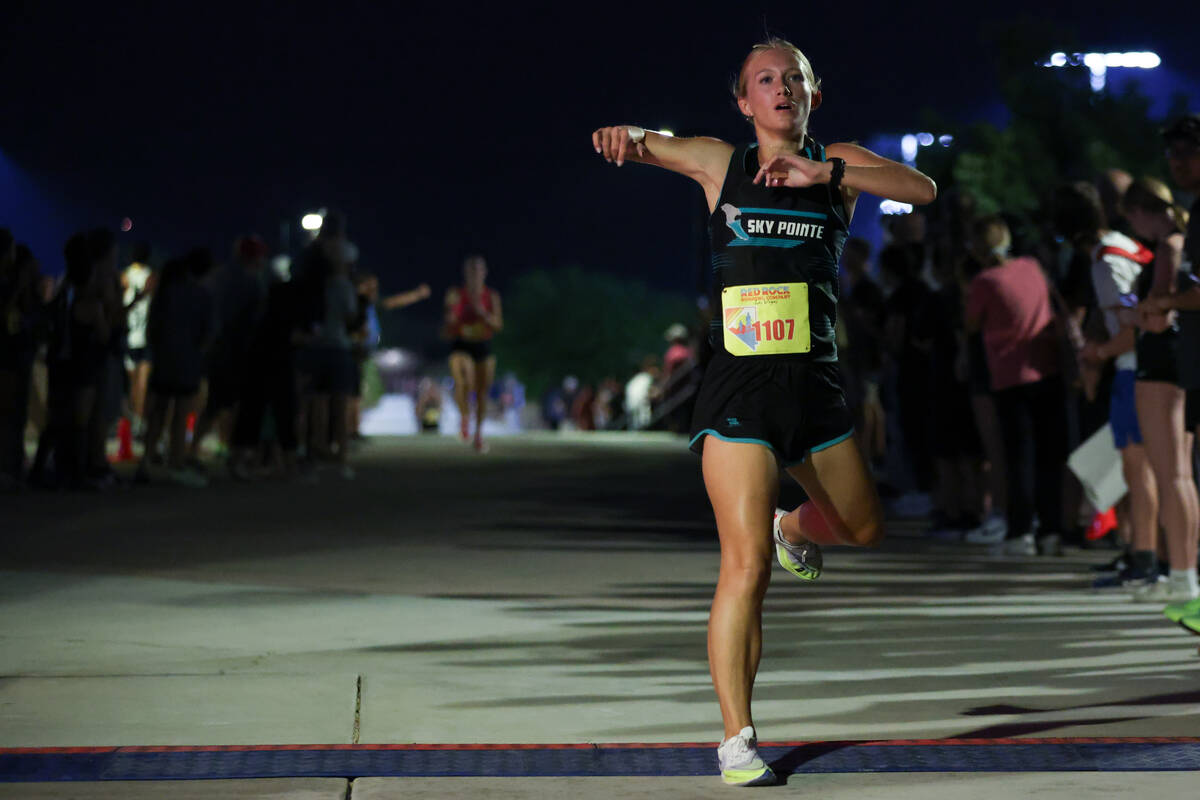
(1156, 321)
(793, 171)
(614, 143)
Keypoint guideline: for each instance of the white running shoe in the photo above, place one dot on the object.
(740, 763)
(987, 533)
(1024, 545)
(1164, 591)
(802, 560)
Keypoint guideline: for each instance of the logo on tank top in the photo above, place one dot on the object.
(772, 227)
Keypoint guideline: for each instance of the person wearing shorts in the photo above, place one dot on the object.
(137, 284)
(473, 317)
(771, 393)
(1182, 140)
(1151, 210)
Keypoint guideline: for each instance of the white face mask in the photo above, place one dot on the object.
(1000, 251)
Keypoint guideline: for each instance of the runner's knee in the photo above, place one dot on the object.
(746, 575)
(868, 533)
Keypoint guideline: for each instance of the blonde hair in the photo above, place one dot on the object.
(738, 87)
(1152, 195)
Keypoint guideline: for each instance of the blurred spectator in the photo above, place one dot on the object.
(429, 406)
(583, 408)
(910, 347)
(239, 293)
(680, 380)
(1183, 159)
(57, 444)
(137, 283)
(639, 394)
(18, 316)
(1009, 301)
(179, 331)
(330, 364)
(98, 340)
(954, 436)
(268, 410)
(1117, 261)
(366, 332)
(994, 469)
(608, 406)
(1112, 185)
(862, 313)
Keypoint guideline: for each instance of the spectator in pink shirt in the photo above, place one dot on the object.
(1009, 302)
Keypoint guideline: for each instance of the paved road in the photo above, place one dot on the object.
(554, 590)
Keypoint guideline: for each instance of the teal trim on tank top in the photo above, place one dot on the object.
(782, 212)
(767, 242)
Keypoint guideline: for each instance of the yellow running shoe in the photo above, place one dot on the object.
(1177, 612)
(802, 560)
(740, 763)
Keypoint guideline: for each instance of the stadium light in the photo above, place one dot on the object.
(1099, 64)
(910, 143)
(312, 222)
(891, 207)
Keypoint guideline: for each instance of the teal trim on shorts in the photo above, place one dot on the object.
(711, 432)
(832, 442)
(821, 447)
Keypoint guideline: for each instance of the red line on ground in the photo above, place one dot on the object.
(492, 747)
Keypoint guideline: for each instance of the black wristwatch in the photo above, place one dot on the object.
(839, 171)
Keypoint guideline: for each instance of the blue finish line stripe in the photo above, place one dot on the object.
(607, 760)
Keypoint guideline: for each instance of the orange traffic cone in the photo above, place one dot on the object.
(124, 440)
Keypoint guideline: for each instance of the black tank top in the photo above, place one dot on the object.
(766, 235)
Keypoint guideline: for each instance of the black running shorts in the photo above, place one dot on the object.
(792, 407)
(478, 351)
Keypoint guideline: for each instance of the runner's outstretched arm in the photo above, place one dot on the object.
(703, 159)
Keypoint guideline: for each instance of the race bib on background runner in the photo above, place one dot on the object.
(766, 319)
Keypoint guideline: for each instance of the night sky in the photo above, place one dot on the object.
(452, 129)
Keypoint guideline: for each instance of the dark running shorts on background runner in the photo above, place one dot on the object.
(478, 351)
(792, 407)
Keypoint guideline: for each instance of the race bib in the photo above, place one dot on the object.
(766, 319)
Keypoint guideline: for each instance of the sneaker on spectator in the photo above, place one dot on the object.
(1023, 545)
(1127, 578)
(987, 533)
(1163, 590)
(1049, 544)
(1118, 564)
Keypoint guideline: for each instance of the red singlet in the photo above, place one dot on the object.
(467, 324)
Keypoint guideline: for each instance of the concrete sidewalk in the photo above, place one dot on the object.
(555, 590)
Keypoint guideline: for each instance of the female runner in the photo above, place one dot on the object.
(772, 394)
(473, 317)
(1150, 208)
